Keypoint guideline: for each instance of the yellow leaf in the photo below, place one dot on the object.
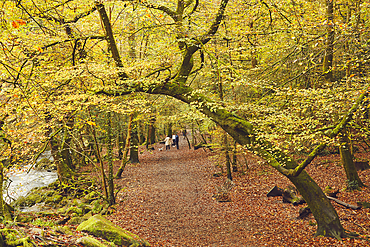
(91, 123)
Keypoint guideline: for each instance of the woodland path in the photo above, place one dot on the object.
(168, 201)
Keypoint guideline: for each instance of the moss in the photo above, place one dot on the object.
(76, 220)
(28, 201)
(90, 242)
(76, 210)
(100, 227)
(91, 196)
(24, 219)
(43, 164)
(12, 237)
(63, 230)
(54, 199)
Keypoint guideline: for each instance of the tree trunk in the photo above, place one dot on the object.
(127, 147)
(134, 148)
(63, 170)
(234, 160)
(169, 130)
(227, 156)
(151, 132)
(111, 199)
(2, 211)
(99, 158)
(327, 219)
(328, 58)
(353, 180)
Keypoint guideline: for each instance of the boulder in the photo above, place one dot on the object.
(99, 226)
(90, 242)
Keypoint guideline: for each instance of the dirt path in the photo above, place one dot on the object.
(168, 201)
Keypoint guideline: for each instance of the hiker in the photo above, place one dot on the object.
(167, 142)
(173, 140)
(177, 141)
(184, 133)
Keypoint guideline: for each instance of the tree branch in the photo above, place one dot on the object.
(110, 38)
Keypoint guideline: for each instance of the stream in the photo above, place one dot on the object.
(21, 182)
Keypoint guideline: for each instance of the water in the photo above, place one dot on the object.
(21, 182)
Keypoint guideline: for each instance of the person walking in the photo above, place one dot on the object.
(177, 141)
(167, 142)
(173, 140)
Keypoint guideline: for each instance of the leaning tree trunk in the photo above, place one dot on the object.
(353, 180)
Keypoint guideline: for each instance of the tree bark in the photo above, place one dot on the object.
(134, 148)
(127, 147)
(353, 180)
(111, 198)
(328, 58)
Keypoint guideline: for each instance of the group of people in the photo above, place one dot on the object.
(175, 141)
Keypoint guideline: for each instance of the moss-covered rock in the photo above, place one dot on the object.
(53, 199)
(28, 201)
(12, 237)
(90, 242)
(76, 220)
(63, 230)
(91, 196)
(101, 227)
(74, 210)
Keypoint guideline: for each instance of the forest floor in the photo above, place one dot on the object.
(168, 200)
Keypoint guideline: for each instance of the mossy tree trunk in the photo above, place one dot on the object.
(353, 180)
(63, 170)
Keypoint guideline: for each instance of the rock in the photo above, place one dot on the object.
(90, 242)
(75, 210)
(99, 226)
(91, 196)
(36, 231)
(63, 229)
(76, 220)
(275, 191)
(54, 199)
(28, 201)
